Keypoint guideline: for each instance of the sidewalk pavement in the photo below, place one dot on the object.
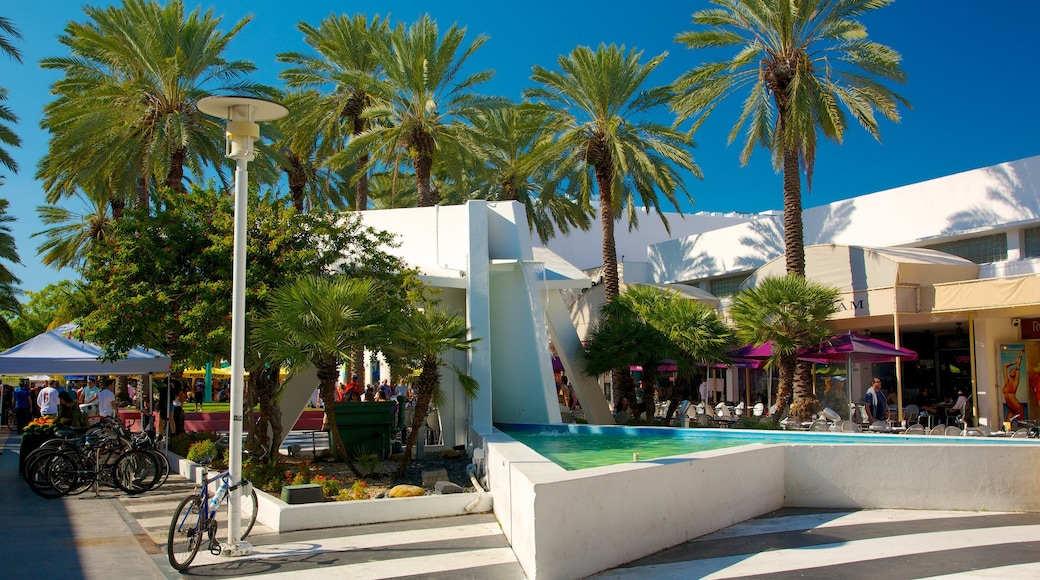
(103, 536)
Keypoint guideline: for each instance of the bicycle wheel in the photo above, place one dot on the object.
(162, 461)
(135, 472)
(248, 512)
(37, 475)
(64, 473)
(10, 419)
(187, 529)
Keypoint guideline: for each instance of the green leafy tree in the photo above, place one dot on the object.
(419, 341)
(790, 312)
(43, 310)
(317, 321)
(801, 65)
(163, 278)
(125, 115)
(422, 103)
(600, 110)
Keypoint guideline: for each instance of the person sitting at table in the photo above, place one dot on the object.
(69, 414)
(875, 402)
(958, 409)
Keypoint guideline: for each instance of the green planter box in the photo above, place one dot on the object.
(366, 427)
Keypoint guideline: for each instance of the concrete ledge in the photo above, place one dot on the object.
(282, 517)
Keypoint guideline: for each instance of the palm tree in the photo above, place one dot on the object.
(423, 105)
(339, 77)
(619, 339)
(8, 294)
(550, 193)
(317, 321)
(801, 62)
(696, 332)
(790, 312)
(598, 102)
(7, 135)
(67, 241)
(125, 110)
(420, 342)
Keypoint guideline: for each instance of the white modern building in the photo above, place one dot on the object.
(947, 267)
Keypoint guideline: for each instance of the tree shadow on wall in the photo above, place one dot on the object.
(1013, 187)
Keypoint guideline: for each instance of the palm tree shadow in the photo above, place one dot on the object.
(1011, 186)
(765, 240)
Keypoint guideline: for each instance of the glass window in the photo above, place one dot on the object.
(1031, 242)
(981, 249)
(727, 285)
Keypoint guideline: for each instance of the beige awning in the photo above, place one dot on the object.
(1017, 295)
(877, 281)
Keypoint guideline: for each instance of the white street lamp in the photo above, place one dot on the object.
(242, 115)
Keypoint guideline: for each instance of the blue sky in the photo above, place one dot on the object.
(973, 84)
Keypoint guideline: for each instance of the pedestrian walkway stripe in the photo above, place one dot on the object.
(825, 555)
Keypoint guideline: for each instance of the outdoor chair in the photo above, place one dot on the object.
(758, 410)
(819, 425)
(1022, 433)
(911, 414)
(880, 427)
(952, 431)
(850, 427)
(681, 418)
(916, 429)
(724, 418)
(939, 429)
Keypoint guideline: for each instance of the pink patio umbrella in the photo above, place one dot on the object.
(851, 347)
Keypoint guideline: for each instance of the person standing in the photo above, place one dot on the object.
(22, 405)
(875, 403)
(106, 400)
(47, 399)
(88, 395)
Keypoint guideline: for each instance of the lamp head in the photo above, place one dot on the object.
(242, 115)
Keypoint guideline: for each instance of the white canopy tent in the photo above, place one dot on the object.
(56, 353)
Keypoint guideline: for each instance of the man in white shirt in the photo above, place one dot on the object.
(47, 400)
(106, 400)
(704, 390)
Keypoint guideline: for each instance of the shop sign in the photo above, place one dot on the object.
(1030, 328)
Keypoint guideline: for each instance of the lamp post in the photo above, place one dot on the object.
(242, 115)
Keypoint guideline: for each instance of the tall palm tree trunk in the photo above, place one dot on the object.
(794, 243)
(423, 167)
(361, 187)
(805, 403)
(427, 385)
(783, 396)
(611, 283)
(297, 180)
(175, 176)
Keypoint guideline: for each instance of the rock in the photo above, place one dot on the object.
(450, 454)
(406, 491)
(432, 476)
(446, 487)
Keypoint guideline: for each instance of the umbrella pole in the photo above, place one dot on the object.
(848, 386)
(899, 372)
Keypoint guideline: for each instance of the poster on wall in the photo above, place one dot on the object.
(1020, 379)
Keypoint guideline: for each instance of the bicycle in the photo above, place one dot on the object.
(196, 516)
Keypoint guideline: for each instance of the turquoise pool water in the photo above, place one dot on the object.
(584, 446)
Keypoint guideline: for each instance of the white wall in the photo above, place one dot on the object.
(995, 197)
